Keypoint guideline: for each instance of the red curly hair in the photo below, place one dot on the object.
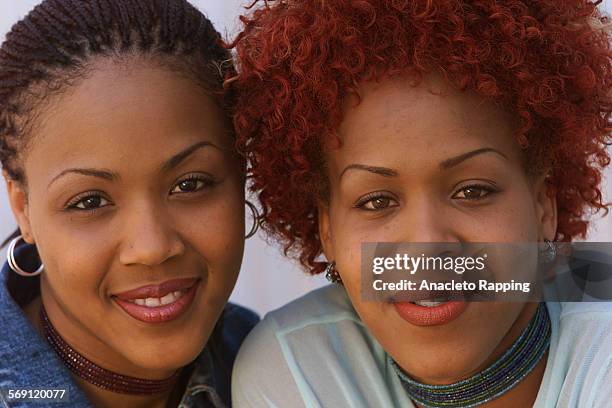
(548, 62)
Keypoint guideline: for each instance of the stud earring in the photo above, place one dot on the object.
(331, 273)
(549, 253)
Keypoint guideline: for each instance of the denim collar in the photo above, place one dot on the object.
(201, 390)
(27, 361)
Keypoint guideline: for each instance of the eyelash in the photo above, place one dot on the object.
(72, 205)
(487, 188)
(361, 203)
(207, 182)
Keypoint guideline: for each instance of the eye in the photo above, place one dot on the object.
(191, 184)
(474, 192)
(88, 202)
(376, 202)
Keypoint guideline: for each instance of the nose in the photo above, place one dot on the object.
(149, 237)
(425, 221)
(429, 229)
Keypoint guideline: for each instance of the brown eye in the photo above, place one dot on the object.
(379, 203)
(473, 193)
(191, 185)
(90, 202)
(376, 203)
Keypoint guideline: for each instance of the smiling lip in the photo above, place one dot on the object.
(430, 316)
(159, 313)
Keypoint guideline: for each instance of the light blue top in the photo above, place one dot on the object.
(316, 352)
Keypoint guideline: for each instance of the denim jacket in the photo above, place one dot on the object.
(28, 362)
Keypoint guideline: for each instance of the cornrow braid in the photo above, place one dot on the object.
(57, 39)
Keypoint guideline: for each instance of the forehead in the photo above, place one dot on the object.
(397, 121)
(125, 114)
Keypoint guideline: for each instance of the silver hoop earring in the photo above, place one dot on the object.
(12, 262)
(331, 274)
(255, 225)
(550, 252)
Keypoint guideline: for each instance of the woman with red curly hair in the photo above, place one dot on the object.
(421, 121)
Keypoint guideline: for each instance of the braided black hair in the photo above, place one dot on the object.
(55, 41)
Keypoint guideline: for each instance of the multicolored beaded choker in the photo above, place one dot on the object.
(497, 379)
(98, 376)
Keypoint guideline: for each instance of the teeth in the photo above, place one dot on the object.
(163, 301)
(152, 302)
(428, 303)
(166, 300)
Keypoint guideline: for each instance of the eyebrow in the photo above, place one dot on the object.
(181, 156)
(111, 176)
(454, 161)
(383, 171)
(445, 165)
(103, 174)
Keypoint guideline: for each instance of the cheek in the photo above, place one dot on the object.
(76, 255)
(508, 217)
(216, 232)
(511, 219)
(347, 252)
(76, 278)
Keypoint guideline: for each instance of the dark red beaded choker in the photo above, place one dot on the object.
(98, 376)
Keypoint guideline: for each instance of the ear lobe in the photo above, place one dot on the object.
(19, 205)
(546, 208)
(324, 231)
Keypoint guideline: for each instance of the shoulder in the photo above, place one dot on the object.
(585, 329)
(322, 306)
(582, 347)
(317, 312)
(297, 321)
(301, 353)
(237, 322)
(586, 325)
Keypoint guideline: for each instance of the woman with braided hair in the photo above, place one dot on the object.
(118, 157)
(425, 122)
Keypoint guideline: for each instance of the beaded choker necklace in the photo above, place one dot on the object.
(494, 381)
(96, 375)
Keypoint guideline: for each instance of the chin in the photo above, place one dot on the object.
(166, 355)
(164, 361)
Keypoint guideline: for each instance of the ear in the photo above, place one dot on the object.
(324, 231)
(546, 208)
(19, 204)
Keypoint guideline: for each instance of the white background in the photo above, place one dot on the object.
(267, 280)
